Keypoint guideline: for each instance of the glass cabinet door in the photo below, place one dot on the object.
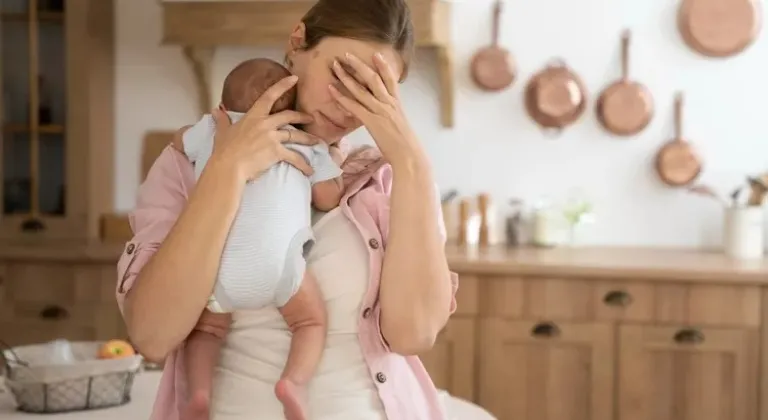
(33, 113)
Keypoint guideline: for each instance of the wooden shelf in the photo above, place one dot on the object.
(201, 26)
(25, 128)
(55, 17)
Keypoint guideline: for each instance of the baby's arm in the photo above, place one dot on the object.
(327, 194)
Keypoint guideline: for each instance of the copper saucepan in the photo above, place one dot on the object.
(493, 68)
(625, 107)
(677, 163)
(555, 97)
(719, 28)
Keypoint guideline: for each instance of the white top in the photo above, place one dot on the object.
(257, 345)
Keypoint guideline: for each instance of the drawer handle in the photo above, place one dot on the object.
(545, 330)
(53, 312)
(618, 298)
(32, 225)
(689, 336)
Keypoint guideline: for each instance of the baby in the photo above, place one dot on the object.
(263, 261)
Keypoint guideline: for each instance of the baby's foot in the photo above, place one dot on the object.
(294, 399)
(198, 407)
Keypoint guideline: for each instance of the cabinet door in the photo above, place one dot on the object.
(682, 373)
(451, 363)
(546, 371)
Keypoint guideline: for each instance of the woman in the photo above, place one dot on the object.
(378, 258)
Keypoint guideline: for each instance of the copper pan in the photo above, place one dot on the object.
(677, 163)
(719, 28)
(493, 68)
(625, 107)
(555, 97)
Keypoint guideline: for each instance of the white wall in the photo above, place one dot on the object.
(494, 147)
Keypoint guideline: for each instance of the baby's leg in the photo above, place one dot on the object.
(306, 318)
(201, 353)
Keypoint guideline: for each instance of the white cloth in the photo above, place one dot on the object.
(263, 261)
(258, 342)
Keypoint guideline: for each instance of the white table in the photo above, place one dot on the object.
(143, 395)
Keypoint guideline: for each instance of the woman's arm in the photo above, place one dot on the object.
(416, 292)
(171, 290)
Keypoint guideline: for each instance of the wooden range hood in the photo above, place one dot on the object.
(199, 26)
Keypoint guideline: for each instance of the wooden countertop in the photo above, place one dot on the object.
(52, 251)
(608, 262)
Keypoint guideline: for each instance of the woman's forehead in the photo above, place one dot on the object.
(333, 47)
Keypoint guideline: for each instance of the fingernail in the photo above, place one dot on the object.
(379, 56)
(294, 77)
(336, 64)
(347, 56)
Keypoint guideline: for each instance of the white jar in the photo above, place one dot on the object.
(743, 232)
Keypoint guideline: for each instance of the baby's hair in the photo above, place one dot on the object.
(249, 80)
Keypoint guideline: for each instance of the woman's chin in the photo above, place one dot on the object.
(330, 133)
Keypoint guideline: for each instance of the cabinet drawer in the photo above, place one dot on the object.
(615, 300)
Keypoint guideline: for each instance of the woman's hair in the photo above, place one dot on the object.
(383, 21)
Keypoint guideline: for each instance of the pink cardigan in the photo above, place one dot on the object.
(405, 388)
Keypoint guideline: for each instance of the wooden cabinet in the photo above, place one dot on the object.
(558, 336)
(58, 293)
(56, 125)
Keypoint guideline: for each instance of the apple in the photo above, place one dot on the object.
(116, 349)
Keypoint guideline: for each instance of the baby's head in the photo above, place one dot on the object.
(249, 80)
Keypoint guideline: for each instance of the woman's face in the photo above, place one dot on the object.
(313, 66)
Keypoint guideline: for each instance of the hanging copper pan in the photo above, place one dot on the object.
(719, 28)
(677, 163)
(625, 107)
(555, 97)
(492, 67)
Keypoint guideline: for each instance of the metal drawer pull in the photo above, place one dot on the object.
(545, 329)
(54, 312)
(689, 336)
(618, 298)
(32, 225)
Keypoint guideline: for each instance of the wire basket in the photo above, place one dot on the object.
(88, 383)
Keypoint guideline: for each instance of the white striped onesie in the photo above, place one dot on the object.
(263, 261)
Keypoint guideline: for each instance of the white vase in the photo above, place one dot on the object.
(743, 234)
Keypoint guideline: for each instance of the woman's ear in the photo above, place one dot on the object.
(297, 39)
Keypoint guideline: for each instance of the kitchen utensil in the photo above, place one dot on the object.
(758, 189)
(677, 164)
(483, 205)
(555, 97)
(514, 223)
(463, 222)
(743, 232)
(719, 28)
(707, 191)
(625, 107)
(492, 67)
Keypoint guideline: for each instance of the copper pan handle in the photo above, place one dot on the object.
(626, 39)
(497, 9)
(679, 103)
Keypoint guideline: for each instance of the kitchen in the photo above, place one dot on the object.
(644, 275)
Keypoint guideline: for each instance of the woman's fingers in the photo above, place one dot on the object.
(350, 105)
(291, 135)
(360, 93)
(284, 118)
(267, 100)
(386, 73)
(221, 119)
(370, 77)
(296, 159)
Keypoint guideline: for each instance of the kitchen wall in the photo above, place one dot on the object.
(494, 147)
